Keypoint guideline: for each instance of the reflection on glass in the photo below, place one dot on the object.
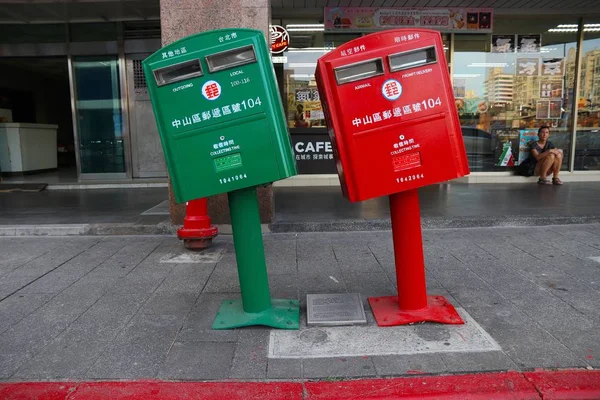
(587, 144)
(231, 58)
(362, 70)
(412, 59)
(178, 72)
(303, 106)
(99, 118)
(503, 98)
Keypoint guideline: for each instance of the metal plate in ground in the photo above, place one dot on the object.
(335, 309)
(372, 340)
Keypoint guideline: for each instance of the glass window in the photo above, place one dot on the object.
(99, 118)
(504, 97)
(303, 105)
(587, 144)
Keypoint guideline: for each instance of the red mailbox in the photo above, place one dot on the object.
(390, 108)
(392, 120)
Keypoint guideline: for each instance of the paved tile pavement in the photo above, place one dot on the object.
(111, 307)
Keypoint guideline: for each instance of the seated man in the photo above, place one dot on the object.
(548, 158)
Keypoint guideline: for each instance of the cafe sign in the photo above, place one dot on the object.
(280, 39)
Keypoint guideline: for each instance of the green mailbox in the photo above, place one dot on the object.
(219, 113)
(223, 130)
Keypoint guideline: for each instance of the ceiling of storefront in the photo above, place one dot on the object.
(52, 67)
(52, 11)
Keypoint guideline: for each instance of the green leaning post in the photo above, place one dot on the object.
(256, 306)
(223, 130)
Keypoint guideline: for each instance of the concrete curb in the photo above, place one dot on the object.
(44, 230)
(166, 228)
(162, 228)
(428, 223)
(107, 229)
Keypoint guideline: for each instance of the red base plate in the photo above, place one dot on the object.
(388, 313)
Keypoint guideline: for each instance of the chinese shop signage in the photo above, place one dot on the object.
(518, 43)
(308, 94)
(365, 19)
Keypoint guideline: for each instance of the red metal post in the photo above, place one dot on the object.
(412, 303)
(408, 250)
(197, 232)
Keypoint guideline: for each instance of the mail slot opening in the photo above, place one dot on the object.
(178, 72)
(412, 59)
(358, 71)
(231, 58)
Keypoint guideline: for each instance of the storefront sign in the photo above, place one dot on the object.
(280, 39)
(279, 59)
(555, 109)
(551, 88)
(528, 66)
(367, 19)
(314, 154)
(503, 43)
(307, 95)
(529, 43)
(551, 109)
(542, 109)
(553, 66)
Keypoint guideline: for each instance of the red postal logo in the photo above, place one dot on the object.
(211, 90)
(391, 89)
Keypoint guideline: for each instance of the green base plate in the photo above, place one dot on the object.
(283, 314)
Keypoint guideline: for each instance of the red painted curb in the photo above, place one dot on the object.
(151, 390)
(188, 390)
(505, 385)
(546, 385)
(567, 385)
(36, 390)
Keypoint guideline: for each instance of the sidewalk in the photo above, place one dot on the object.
(141, 307)
(145, 211)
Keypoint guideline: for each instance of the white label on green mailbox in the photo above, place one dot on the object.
(228, 162)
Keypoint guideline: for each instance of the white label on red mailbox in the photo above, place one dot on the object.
(211, 90)
(391, 89)
(406, 161)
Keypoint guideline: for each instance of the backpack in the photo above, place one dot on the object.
(527, 167)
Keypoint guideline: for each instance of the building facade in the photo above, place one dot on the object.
(77, 65)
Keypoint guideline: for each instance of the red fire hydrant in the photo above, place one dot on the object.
(197, 232)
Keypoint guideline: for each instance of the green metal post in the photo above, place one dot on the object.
(256, 306)
(249, 250)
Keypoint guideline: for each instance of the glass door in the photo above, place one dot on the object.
(99, 117)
